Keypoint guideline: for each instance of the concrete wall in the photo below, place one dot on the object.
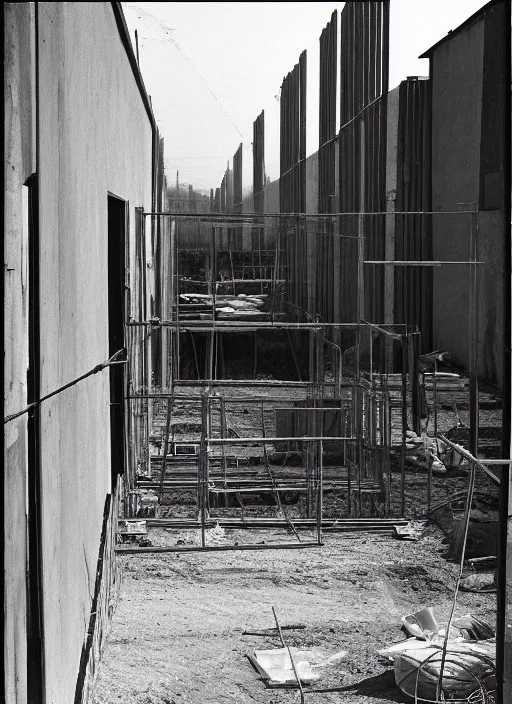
(457, 90)
(19, 153)
(95, 137)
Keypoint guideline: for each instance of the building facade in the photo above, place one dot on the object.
(79, 143)
(468, 71)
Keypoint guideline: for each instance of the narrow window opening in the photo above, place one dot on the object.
(35, 657)
(116, 321)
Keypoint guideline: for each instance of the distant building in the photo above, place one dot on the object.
(469, 90)
(186, 199)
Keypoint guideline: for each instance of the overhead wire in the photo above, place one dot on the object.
(169, 38)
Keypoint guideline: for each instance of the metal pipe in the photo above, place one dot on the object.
(299, 683)
(244, 324)
(404, 424)
(473, 337)
(468, 456)
(213, 548)
(319, 505)
(166, 445)
(305, 523)
(304, 438)
(416, 262)
(314, 216)
(203, 459)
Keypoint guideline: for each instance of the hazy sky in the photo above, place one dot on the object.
(212, 67)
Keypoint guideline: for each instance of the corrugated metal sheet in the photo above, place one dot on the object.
(258, 179)
(413, 233)
(324, 245)
(292, 182)
(364, 31)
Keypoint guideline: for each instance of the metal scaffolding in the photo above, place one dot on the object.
(322, 442)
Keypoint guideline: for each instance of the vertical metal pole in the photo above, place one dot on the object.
(360, 291)
(358, 396)
(348, 463)
(177, 297)
(310, 424)
(166, 445)
(473, 336)
(359, 426)
(387, 439)
(404, 423)
(434, 391)
(223, 448)
(414, 380)
(213, 278)
(320, 503)
(203, 463)
(299, 683)
(173, 301)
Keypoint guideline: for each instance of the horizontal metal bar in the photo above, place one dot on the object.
(243, 216)
(278, 486)
(277, 522)
(215, 548)
(230, 281)
(468, 456)
(183, 383)
(240, 400)
(393, 335)
(252, 325)
(220, 484)
(304, 438)
(415, 262)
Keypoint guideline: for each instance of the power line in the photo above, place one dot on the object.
(169, 38)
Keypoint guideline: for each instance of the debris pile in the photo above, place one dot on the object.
(424, 450)
(431, 665)
(226, 306)
(276, 667)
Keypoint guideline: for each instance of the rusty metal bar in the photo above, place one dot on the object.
(299, 683)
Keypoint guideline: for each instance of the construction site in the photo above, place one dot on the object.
(287, 410)
(310, 412)
(259, 426)
(257, 402)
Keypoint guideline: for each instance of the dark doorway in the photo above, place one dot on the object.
(35, 652)
(117, 215)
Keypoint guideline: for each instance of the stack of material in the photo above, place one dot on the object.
(226, 306)
(276, 666)
(420, 451)
(467, 668)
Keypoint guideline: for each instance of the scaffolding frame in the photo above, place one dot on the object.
(371, 403)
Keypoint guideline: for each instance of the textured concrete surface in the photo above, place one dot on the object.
(19, 164)
(457, 98)
(95, 138)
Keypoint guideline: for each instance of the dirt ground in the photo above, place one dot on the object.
(177, 632)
